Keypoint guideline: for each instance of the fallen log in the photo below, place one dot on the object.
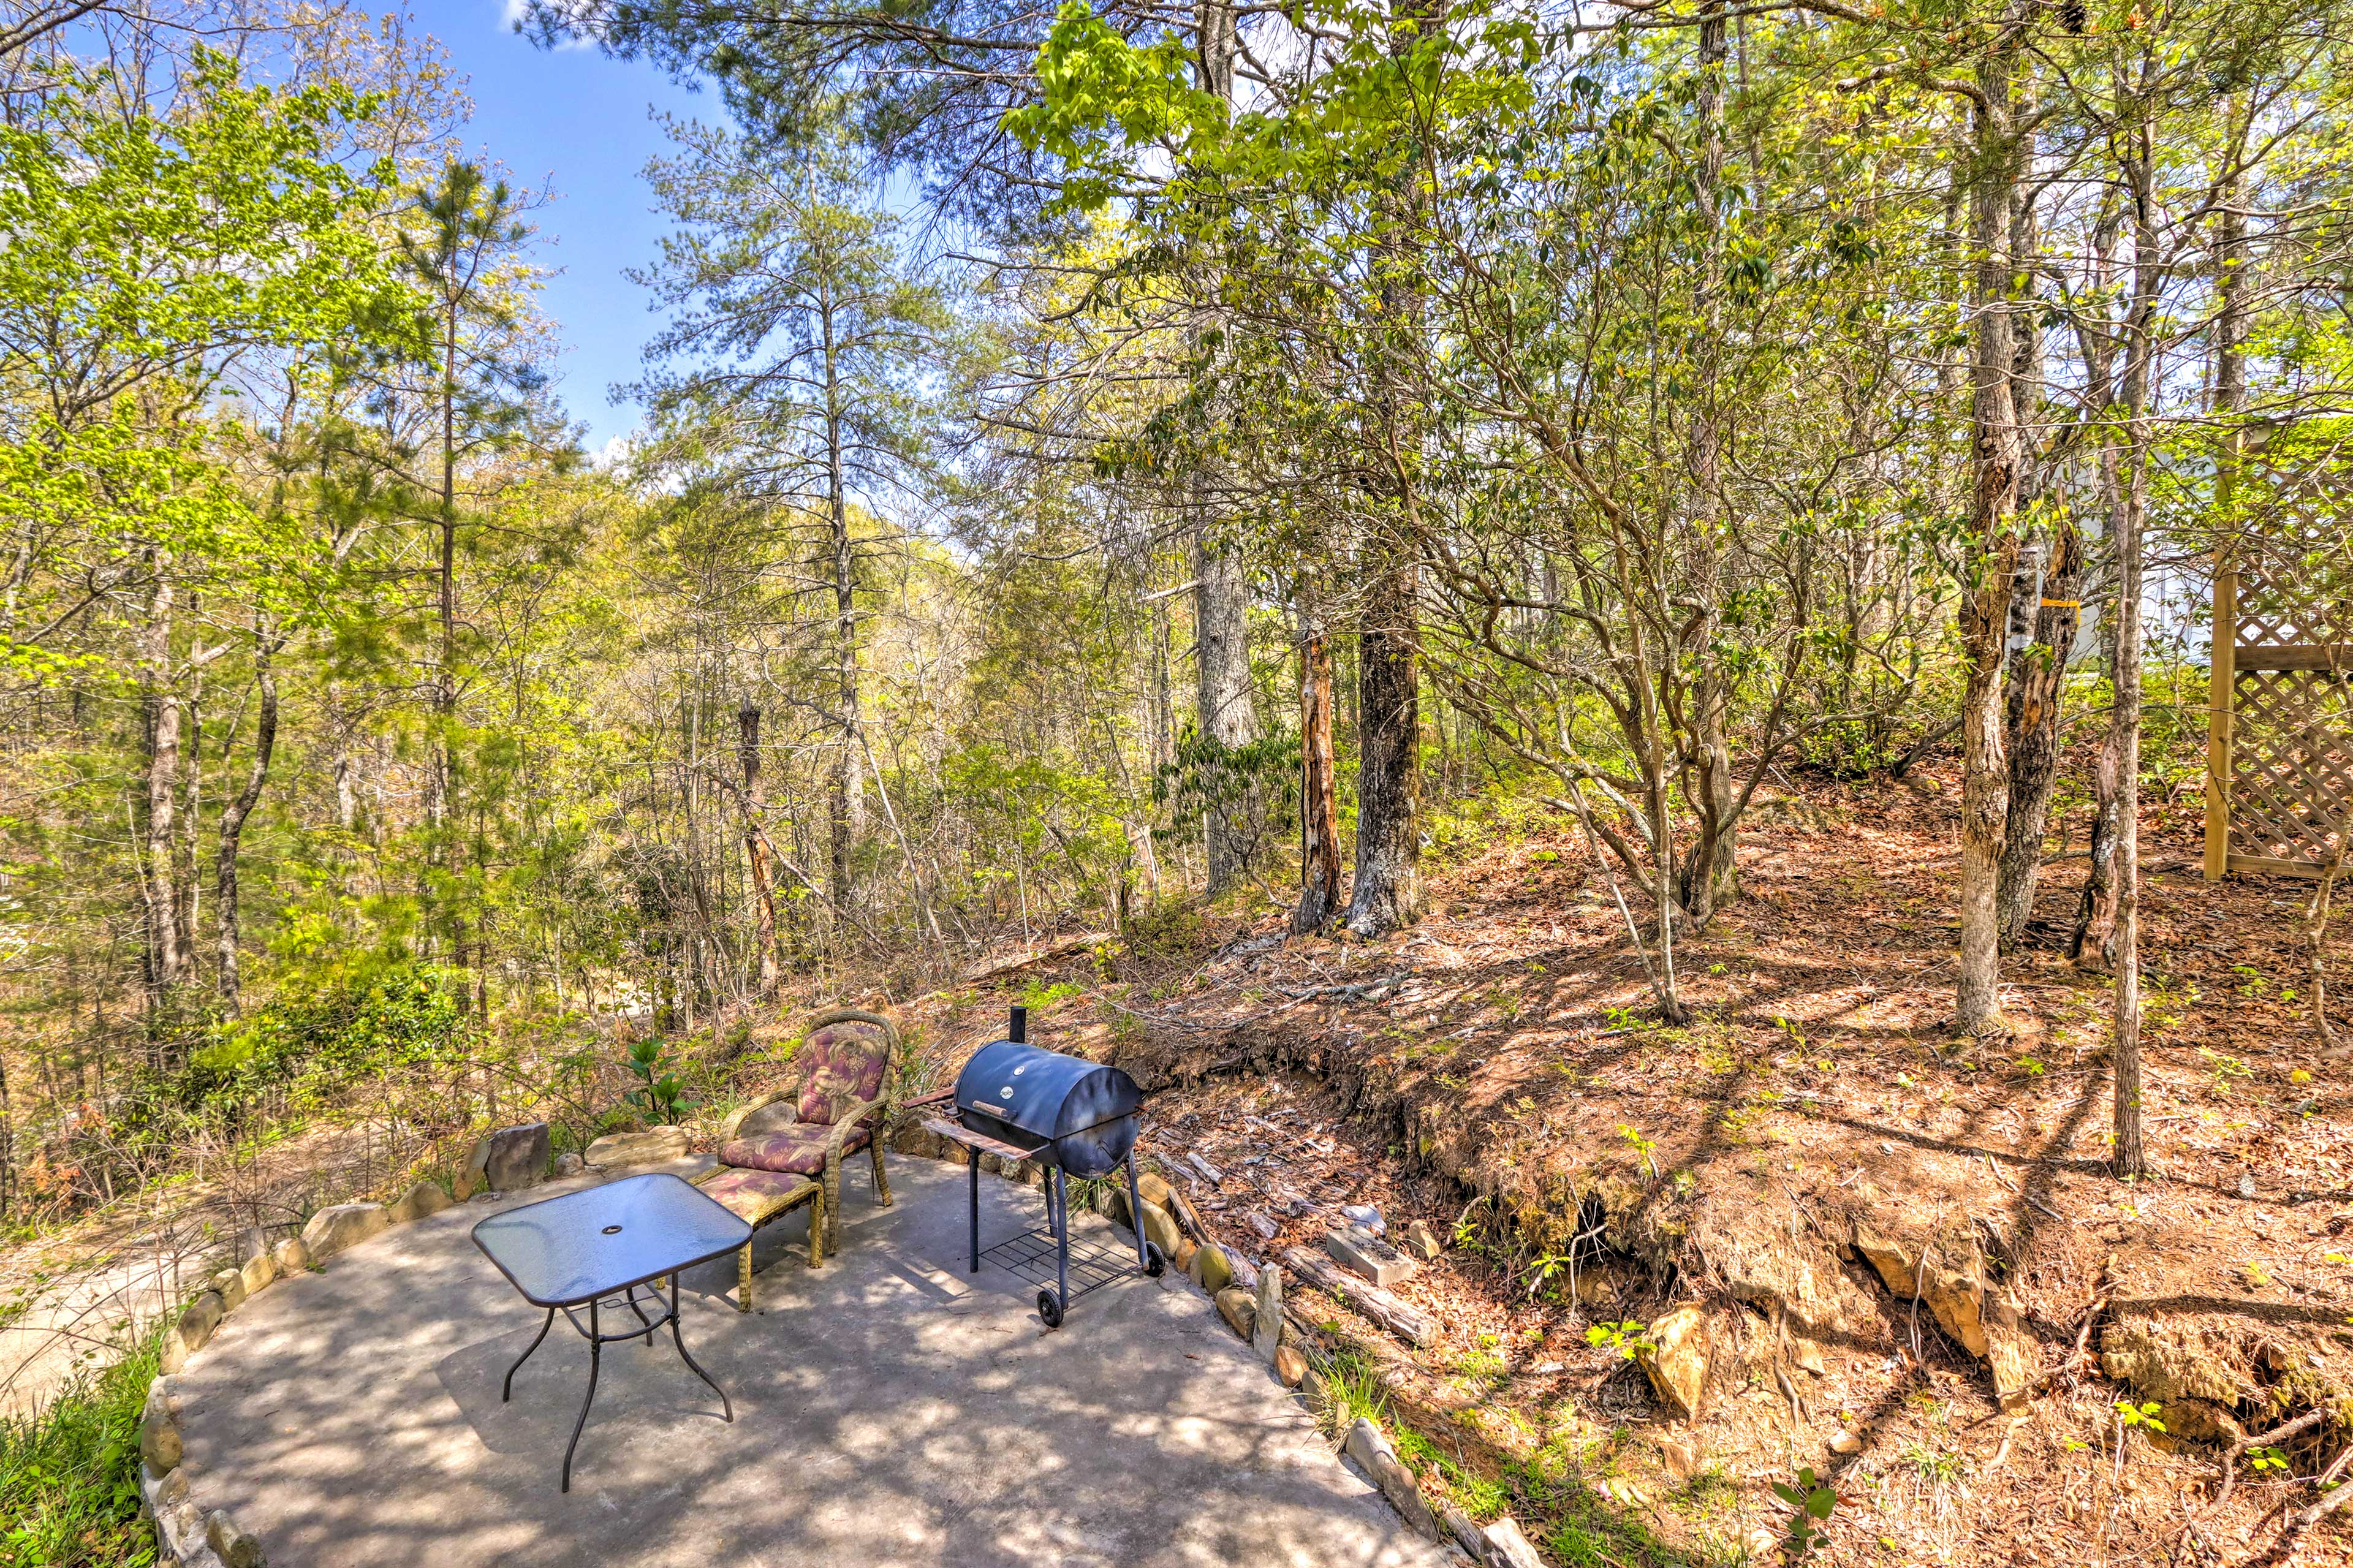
(1414, 1327)
(989, 971)
(1188, 1220)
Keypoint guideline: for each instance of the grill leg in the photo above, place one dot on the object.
(1135, 1211)
(972, 1164)
(1060, 1204)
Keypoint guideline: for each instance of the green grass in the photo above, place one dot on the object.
(1352, 1388)
(70, 1476)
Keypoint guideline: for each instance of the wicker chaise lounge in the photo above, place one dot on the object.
(771, 1164)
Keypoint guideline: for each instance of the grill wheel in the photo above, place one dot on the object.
(1050, 1306)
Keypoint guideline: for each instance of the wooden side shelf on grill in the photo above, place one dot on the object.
(978, 1143)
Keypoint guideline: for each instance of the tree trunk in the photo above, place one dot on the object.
(234, 816)
(2131, 1155)
(2036, 671)
(2038, 681)
(1712, 877)
(1319, 820)
(185, 888)
(2094, 943)
(1387, 892)
(756, 846)
(2091, 944)
(845, 810)
(1221, 659)
(1985, 608)
(440, 767)
(162, 703)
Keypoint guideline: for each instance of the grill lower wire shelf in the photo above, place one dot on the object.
(1030, 1256)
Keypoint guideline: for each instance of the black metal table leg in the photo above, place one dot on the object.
(507, 1392)
(630, 1297)
(675, 1338)
(971, 1161)
(596, 1346)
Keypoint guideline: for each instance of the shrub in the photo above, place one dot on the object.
(349, 1028)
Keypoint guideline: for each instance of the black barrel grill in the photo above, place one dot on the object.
(1070, 1116)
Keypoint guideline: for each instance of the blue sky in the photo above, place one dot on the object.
(579, 122)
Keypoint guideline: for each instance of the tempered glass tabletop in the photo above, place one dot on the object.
(588, 1244)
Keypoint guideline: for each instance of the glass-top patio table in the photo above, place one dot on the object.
(601, 1247)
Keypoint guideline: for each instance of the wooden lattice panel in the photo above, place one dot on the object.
(2296, 579)
(2281, 748)
(2291, 764)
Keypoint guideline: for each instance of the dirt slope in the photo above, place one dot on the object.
(1858, 1225)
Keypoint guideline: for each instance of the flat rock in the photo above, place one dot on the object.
(1363, 1252)
(651, 1147)
(1421, 1241)
(423, 1199)
(1365, 1216)
(252, 1242)
(331, 1230)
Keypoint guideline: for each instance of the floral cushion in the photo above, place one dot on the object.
(843, 1058)
(753, 1194)
(799, 1148)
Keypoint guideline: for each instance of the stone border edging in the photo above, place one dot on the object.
(187, 1535)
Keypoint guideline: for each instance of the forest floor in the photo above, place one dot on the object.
(1815, 1137)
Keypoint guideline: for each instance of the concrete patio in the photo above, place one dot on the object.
(891, 1408)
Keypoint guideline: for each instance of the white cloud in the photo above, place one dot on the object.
(510, 16)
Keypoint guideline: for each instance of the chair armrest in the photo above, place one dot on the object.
(845, 1119)
(735, 1122)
